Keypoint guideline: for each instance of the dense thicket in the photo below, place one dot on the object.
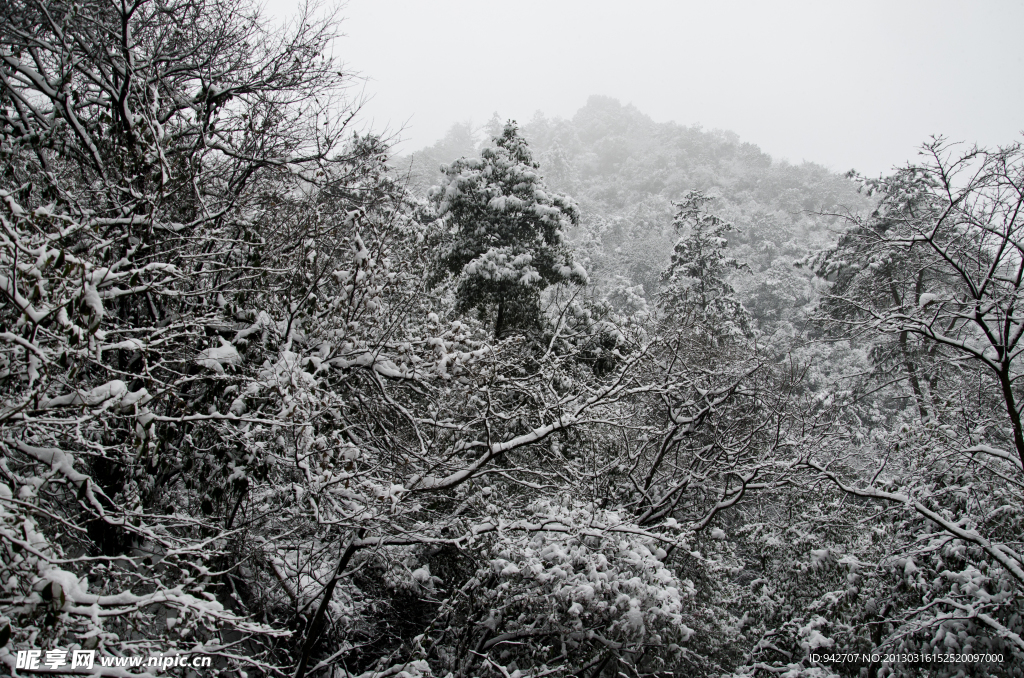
(260, 401)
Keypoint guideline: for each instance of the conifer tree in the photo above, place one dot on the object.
(697, 292)
(506, 233)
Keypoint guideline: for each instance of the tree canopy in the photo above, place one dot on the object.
(507, 232)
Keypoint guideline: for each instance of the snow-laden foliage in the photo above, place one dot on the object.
(505, 233)
(566, 587)
(930, 281)
(697, 293)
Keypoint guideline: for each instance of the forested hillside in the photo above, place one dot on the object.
(626, 171)
(587, 397)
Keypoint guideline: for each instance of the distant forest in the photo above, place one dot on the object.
(626, 173)
(588, 397)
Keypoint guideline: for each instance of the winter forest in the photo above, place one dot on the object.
(590, 397)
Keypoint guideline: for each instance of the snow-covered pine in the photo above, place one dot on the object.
(503, 234)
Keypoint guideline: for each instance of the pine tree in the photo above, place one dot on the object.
(697, 292)
(507, 233)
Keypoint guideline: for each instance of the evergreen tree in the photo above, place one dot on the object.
(507, 233)
(697, 293)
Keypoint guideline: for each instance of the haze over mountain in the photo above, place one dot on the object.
(846, 85)
(626, 171)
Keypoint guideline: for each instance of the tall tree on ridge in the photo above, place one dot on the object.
(507, 240)
(697, 293)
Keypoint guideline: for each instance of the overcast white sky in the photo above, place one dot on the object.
(845, 84)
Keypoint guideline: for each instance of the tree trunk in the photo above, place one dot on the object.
(317, 625)
(915, 383)
(1006, 384)
(499, 324)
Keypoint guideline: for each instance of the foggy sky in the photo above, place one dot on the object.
(844, 84)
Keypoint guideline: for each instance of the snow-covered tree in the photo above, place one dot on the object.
(505, 240)
(158, 238)
(697, 294)
(936, 271)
